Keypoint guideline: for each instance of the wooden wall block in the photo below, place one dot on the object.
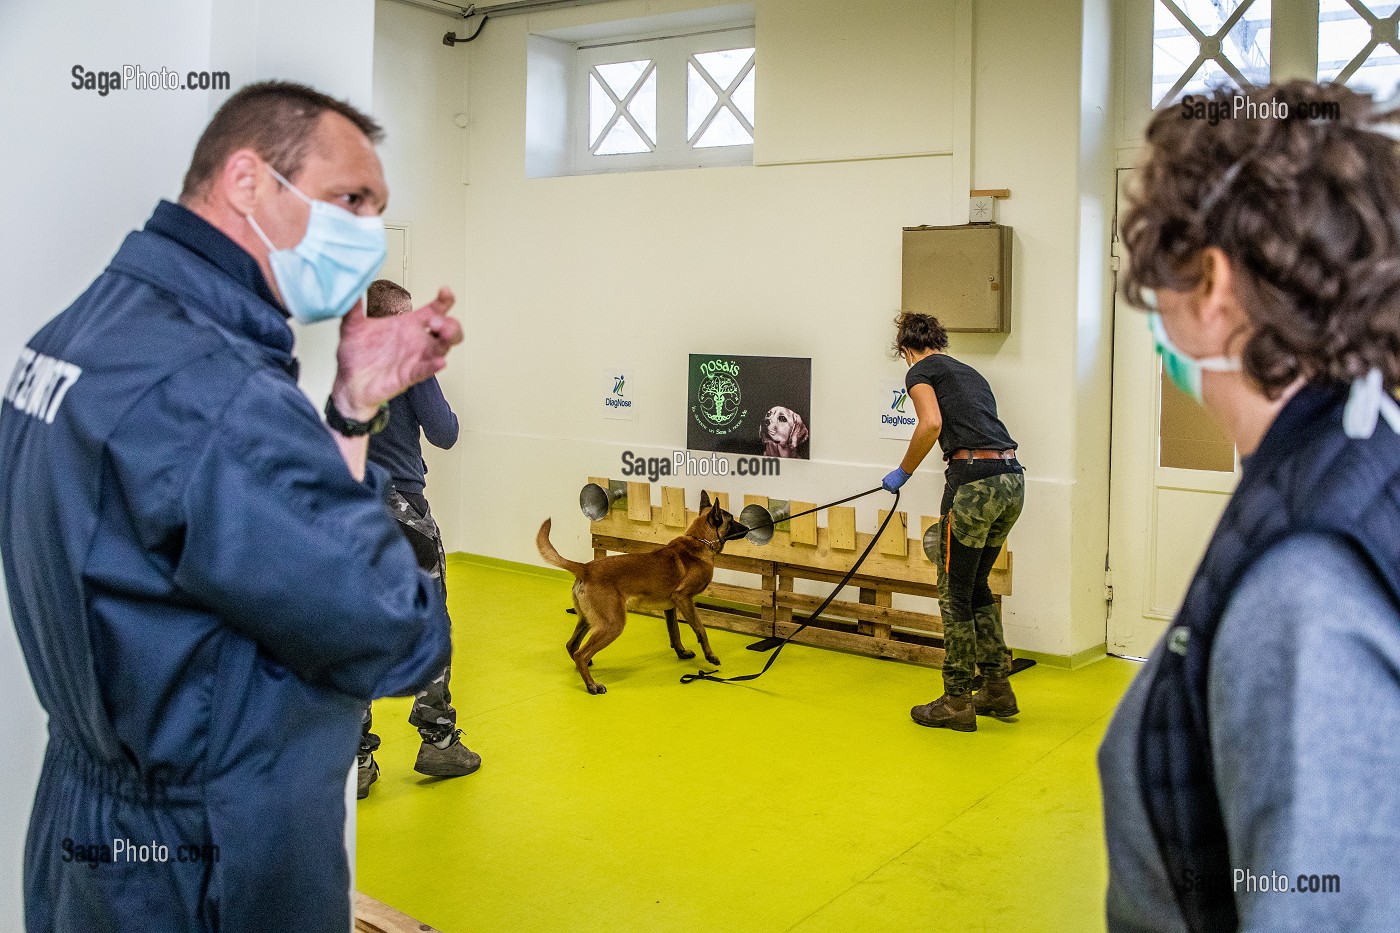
(673, 507)
(895, 541)
(875, 597)
(803, 530)
(841, 528)
(722, 498)
(639, 502)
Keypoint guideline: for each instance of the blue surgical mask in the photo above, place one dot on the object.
(328, 271)
(1184, 370)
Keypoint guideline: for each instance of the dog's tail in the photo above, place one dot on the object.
(548, 552)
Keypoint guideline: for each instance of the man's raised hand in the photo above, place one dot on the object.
(378, 358)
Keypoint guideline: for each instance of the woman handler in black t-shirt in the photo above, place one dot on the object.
(982, 496)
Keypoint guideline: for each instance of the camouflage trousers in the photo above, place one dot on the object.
(976, 518)
(432, 711)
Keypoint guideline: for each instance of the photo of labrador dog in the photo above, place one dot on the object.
(782, 432)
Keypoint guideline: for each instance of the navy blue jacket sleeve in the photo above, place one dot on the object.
(285, 545)
(433, 413)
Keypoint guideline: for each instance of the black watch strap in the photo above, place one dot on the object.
(349, 427)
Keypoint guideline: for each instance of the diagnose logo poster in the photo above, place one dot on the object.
(616, 387)
(895, 412)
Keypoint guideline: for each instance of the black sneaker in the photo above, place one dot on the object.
(368, 774)
(450, 760)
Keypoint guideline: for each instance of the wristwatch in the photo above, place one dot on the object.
(348, 427)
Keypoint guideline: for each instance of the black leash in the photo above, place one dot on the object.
(829, 505)
(710, 675)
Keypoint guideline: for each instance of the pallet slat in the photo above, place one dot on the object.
(863, 644)
(672, 507)
(803, 530)
(895, 541)
(723, 561)
(748, 595)
(840, 529)
(639, 502)
(922, 622)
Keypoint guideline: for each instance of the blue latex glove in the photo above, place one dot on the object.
(894, 479)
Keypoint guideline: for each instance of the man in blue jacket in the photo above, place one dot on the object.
(204, 578)
(422, 411)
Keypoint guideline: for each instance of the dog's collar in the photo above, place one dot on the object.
(715, 546)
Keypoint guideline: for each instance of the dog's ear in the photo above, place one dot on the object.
(800, 434)
(704, 500)
(717, 516)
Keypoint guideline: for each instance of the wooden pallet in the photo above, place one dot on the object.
(371, 916)
(802, 549)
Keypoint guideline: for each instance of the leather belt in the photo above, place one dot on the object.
(965, 454)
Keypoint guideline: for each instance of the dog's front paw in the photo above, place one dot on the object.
(712, 659)
(596, 689)
(685, 655)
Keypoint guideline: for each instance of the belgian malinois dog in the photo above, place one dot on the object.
(668, 578)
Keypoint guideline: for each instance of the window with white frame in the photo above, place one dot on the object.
(1357, 44)
(1198, 45)
(665, 103)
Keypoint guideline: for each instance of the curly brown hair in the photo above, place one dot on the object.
(918, 332)
(1307, 211)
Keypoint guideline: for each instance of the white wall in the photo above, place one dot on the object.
(1041, 88)
(81, 170)
(569, 276)
(328, 44)
(420, 89)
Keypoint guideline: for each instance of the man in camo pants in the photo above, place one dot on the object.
(422, 409)
(983, 492)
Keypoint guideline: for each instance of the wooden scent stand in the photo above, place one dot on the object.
(802, 549)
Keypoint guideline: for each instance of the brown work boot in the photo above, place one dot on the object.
(996, 699)
(953, 712)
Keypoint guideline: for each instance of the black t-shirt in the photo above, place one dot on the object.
(969, 409)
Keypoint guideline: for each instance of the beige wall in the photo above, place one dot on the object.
(565, 277)
(82, 170)
(420, 89)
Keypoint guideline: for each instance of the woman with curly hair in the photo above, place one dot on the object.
(983, 491)
(1255, 754)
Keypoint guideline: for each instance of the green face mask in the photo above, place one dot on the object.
(1184, 371)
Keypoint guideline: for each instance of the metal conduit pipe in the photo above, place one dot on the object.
(487, 11)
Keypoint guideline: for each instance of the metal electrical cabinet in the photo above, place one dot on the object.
(961, 275)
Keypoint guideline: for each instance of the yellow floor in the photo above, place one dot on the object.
(806, 802)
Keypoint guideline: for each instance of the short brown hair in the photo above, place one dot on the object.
(1308, 212)
(918, 332)
(276, 119)
(384, 297)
